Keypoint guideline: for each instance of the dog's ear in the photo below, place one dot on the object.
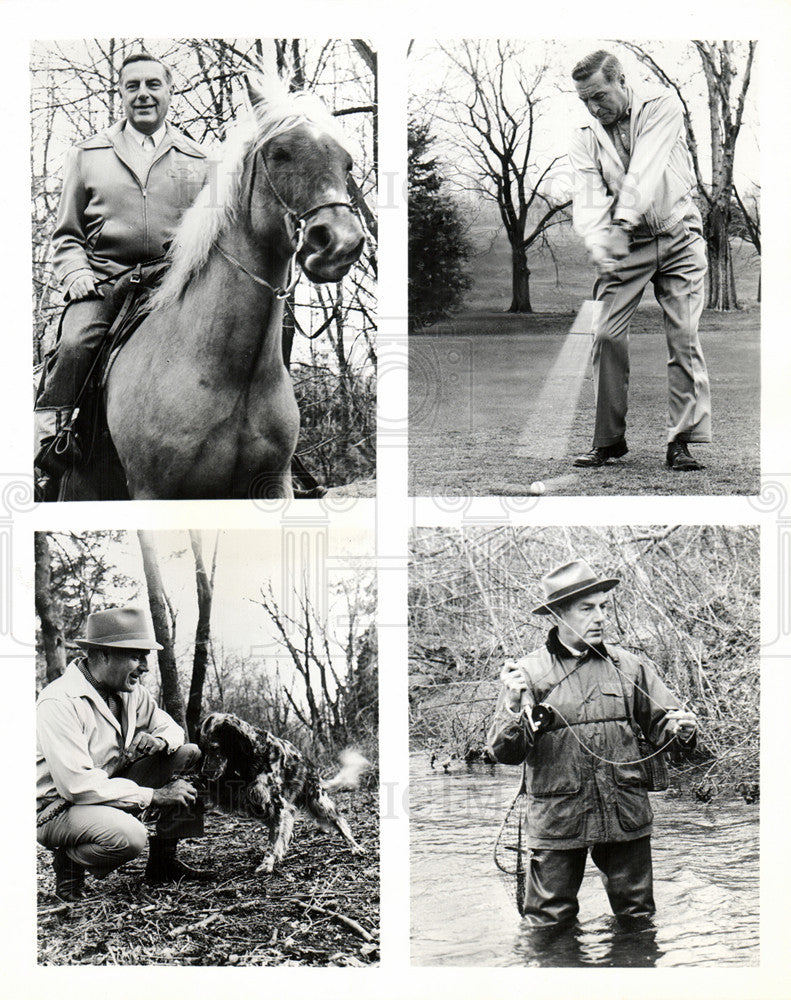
(205, 730)
(236, 739)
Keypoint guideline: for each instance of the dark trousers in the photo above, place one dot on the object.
(85, 325)
(102, 837)
(156, 771)
(556, 876)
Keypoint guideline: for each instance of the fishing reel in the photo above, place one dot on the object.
(542, 716)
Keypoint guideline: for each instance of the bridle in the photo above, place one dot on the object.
(295, 226)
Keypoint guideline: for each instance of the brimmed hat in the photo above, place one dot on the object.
(572, 579)
(123, 628)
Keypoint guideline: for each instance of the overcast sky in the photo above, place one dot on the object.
(294, 560)
(562, 111)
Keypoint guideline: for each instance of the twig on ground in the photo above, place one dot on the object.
(186, 928)
(348, 921)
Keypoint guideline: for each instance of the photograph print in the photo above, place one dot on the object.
(204, 261)
(584, 758)
(550, 183)
(207, 747)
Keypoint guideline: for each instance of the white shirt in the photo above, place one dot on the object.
(80, 742)
(134, 135)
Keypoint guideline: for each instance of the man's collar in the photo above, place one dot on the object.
(85, 670)
(558, 648)
(138, 136)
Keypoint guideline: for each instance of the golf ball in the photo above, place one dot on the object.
(537, 489)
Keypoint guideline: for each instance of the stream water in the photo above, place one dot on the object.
(705, 883)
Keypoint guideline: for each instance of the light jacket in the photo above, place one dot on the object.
(656, 192)
(79, 742)
(575, 799)
(108, 218)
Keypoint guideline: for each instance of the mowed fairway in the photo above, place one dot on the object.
(498, 401)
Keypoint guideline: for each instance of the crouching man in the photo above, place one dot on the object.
(106, 755)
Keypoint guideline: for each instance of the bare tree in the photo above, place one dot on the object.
(335, 699)
(498, 121)
(204, 584)
(164, 629)
(49, 609)
(727, 68)
(750, 207)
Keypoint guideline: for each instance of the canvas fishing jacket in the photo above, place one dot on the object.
(574, 797)
(109, 217)
(80, 743)
(655, 194)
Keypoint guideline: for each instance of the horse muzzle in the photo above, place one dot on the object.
(333, 241)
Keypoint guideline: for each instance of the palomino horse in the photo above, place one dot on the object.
(199, 403)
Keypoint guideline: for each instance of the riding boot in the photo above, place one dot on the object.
(58, 447)
(164, 866)
(69, 877)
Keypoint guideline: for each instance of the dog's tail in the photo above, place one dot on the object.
(353, 764)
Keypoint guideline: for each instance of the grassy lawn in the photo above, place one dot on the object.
(473, 379)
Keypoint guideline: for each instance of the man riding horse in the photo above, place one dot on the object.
(125, 190)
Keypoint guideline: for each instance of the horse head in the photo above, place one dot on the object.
(299, 176)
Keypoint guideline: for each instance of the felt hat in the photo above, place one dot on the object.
(572, 579)
(123, 628)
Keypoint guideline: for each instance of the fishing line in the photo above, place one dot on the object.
(606, 760)
(607, 657)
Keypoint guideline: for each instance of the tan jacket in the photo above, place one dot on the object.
(656, 192)
(108, 217)
(576, 796)
(79, 742)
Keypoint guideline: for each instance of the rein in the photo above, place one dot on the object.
(295, 226)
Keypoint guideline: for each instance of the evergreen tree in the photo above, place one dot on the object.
(438, 245)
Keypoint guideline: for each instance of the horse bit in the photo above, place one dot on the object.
(295, 225)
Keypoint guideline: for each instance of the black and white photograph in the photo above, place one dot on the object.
(204, 261)
(584, 758)
(207, 748)
(395, 501)
(550, 182)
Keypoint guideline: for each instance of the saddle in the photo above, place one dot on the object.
(131, 300)
(131, 297)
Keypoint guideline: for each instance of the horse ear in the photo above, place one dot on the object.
(255, 94)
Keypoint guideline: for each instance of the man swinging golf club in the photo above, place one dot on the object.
(634, 210)
(568, 711)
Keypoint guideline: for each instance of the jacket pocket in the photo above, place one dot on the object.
(555, 817)
(631, 798)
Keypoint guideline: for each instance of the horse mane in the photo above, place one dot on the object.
(275, 112)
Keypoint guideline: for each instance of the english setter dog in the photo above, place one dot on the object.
(254, 773)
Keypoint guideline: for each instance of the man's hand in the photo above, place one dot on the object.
(84, 287)
(177, 792)
(602, 261)
(513, 679)
(681, 723)
(617, 245)
(144, 745)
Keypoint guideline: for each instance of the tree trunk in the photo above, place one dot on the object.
(721, 281)
(520, 282)
(48, 610)
(202, 638)
(172, 701)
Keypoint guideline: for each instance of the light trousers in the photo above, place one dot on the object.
(675, 262)
(101, 838)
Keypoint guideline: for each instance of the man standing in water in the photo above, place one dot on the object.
(634, 210)
(568, 711)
